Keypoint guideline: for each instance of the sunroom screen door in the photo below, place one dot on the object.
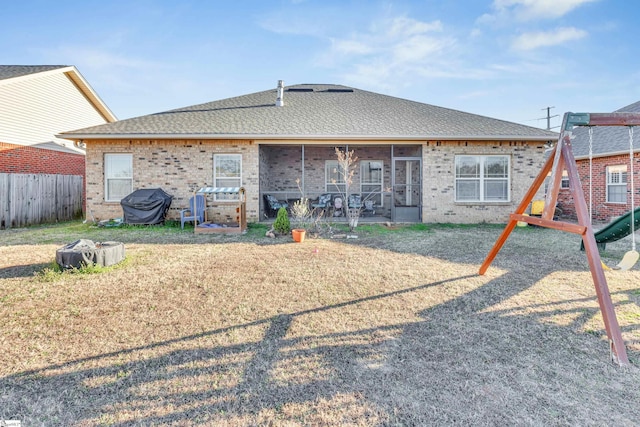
(407, 190)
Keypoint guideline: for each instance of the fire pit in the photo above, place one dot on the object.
(85, 252)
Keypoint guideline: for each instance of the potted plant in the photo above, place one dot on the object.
(301, 215)
(298, 234)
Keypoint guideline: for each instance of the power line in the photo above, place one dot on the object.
(549, 117)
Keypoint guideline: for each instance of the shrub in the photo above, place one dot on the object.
(301, 213)
(282, 224)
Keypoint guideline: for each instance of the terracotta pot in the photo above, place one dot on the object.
(298, 234)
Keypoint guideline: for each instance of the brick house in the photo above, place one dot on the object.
(36, 103)
(610, 182)
(419, 162)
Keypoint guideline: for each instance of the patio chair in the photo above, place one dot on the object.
(323, 202)
(272, 205)
(369, 208)
(355, 201)
(193, 212)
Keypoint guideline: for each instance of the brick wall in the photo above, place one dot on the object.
(438, 198)
(178, 167)
(602, 211)
(26, 159)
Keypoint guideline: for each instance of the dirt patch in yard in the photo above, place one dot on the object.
(392, 328)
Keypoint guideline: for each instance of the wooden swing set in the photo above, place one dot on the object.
(561, 159)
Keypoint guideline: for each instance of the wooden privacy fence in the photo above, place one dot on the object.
(27, 199)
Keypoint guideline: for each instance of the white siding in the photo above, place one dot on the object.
(33, 110)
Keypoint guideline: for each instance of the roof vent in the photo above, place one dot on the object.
(280, 98)
(343, 90)
(300, 89)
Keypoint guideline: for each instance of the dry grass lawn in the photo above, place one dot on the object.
(392, 328)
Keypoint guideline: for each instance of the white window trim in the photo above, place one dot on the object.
(564, 184)
(107, 178)
(617, 184)
(226, 197)
(381, 183)
(482, 179)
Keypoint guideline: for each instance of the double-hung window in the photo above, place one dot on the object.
(617, 184)
(118, 176)
(227, 172)
(482, 178)
(334, 177)
(371, 180)
(564, 184)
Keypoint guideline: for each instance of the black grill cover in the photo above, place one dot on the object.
(146, 206)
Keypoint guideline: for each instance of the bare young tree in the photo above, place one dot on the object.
(347, 163)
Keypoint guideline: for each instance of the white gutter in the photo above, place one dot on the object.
(600, 155)
(78, 136)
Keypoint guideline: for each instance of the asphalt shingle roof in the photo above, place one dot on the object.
(607, 140)
(12, 71)
(315, 111)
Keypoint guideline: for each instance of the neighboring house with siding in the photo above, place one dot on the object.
(419, 162)
(36, 103)
(610, 182)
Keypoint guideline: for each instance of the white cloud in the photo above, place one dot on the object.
(101, 59)
(475, 94)
(376, 73)
(419, 48)
(351, 47)
(475, 32)
(534, 40)
(403, 27)
(526, 10)
(117, 70)
(394, 47)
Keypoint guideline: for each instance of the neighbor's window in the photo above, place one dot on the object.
(482, 178)
(617, 184)
(371, 180)
(564, 184)
(118, 176)
(334, 177)
(227, 172)
(565, 180)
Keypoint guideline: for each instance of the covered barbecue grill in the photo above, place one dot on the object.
(146, 206)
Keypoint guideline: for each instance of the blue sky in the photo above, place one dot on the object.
(507, 59)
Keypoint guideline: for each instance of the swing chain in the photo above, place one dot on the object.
(633, 207)
(591, 174)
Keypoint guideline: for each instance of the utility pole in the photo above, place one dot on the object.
(549, 117)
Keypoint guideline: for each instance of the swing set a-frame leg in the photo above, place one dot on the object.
(618, 350)
(559, 161)
(528, 197)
